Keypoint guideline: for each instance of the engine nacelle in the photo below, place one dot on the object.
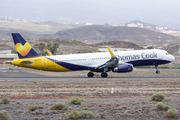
(123, 68)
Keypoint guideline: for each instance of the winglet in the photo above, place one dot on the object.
(50, 54)
(111, 53)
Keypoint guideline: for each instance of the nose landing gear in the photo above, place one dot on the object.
(157, 71)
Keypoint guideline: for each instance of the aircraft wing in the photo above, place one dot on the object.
(113, 62)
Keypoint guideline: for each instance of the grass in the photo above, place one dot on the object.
(58, 106)
(160, 106)
(76, 101)
(4, 115)
(103, 109)
(5, 101)
(124, 81)
(157, 97)
(166, 107)
(171, 113)
(74, 115)
(35, 82)
(110, 105)
(150, 114)
(84, 114)
(32, 107)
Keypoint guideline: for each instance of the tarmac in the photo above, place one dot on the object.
(18, 74)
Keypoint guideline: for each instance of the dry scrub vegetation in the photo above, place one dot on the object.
(119, 99)
(90, 88)
(92, 109)
(113, 98)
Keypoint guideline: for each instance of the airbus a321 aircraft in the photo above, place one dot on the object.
(119, 62)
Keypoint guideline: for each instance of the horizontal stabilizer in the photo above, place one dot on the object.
(28, 62)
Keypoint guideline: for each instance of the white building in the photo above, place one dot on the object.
(131, 25)
(159, 28)
(148, 26)
(115, 49)
(6, 57)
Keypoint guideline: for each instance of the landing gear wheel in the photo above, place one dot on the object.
(157, 72)
(104, 75)
(90, 74)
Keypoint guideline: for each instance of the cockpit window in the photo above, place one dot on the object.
(167, 53)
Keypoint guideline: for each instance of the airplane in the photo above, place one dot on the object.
(120, 62)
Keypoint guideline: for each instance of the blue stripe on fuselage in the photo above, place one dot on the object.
(145, 62)
(72, 67)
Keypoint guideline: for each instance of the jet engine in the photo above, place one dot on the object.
(123, 68)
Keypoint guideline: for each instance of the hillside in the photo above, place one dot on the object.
(98, 33)
(145, 24)
(74, 46)
(88, 34)
(117, 44)
(172, 48)
(33, 30)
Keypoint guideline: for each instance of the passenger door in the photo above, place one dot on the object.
(44, 62)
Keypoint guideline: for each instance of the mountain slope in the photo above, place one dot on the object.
(98, 33)
(31, 29)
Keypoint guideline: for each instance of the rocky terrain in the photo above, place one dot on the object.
(115, 109)
(90, 34)
(33, 30)
(111, 98)
(98, 33)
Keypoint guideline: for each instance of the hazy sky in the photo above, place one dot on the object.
(160, 12)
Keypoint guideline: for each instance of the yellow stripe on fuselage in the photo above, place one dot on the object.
(40, 63)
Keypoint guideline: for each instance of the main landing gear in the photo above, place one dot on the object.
(90, 74)
(103, 74)
(157, 71)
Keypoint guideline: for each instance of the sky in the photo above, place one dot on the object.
(159, 12)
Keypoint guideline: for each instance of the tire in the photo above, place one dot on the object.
(104, 75)
(90, 74)
(157, 72)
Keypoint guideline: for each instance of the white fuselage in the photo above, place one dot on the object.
(92, 60)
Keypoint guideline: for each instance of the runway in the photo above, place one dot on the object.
(8, 74)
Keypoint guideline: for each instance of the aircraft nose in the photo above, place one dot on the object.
(172, 58)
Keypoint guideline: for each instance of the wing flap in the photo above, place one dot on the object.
(113, 62)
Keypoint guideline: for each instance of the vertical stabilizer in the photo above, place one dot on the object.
(23, 48)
